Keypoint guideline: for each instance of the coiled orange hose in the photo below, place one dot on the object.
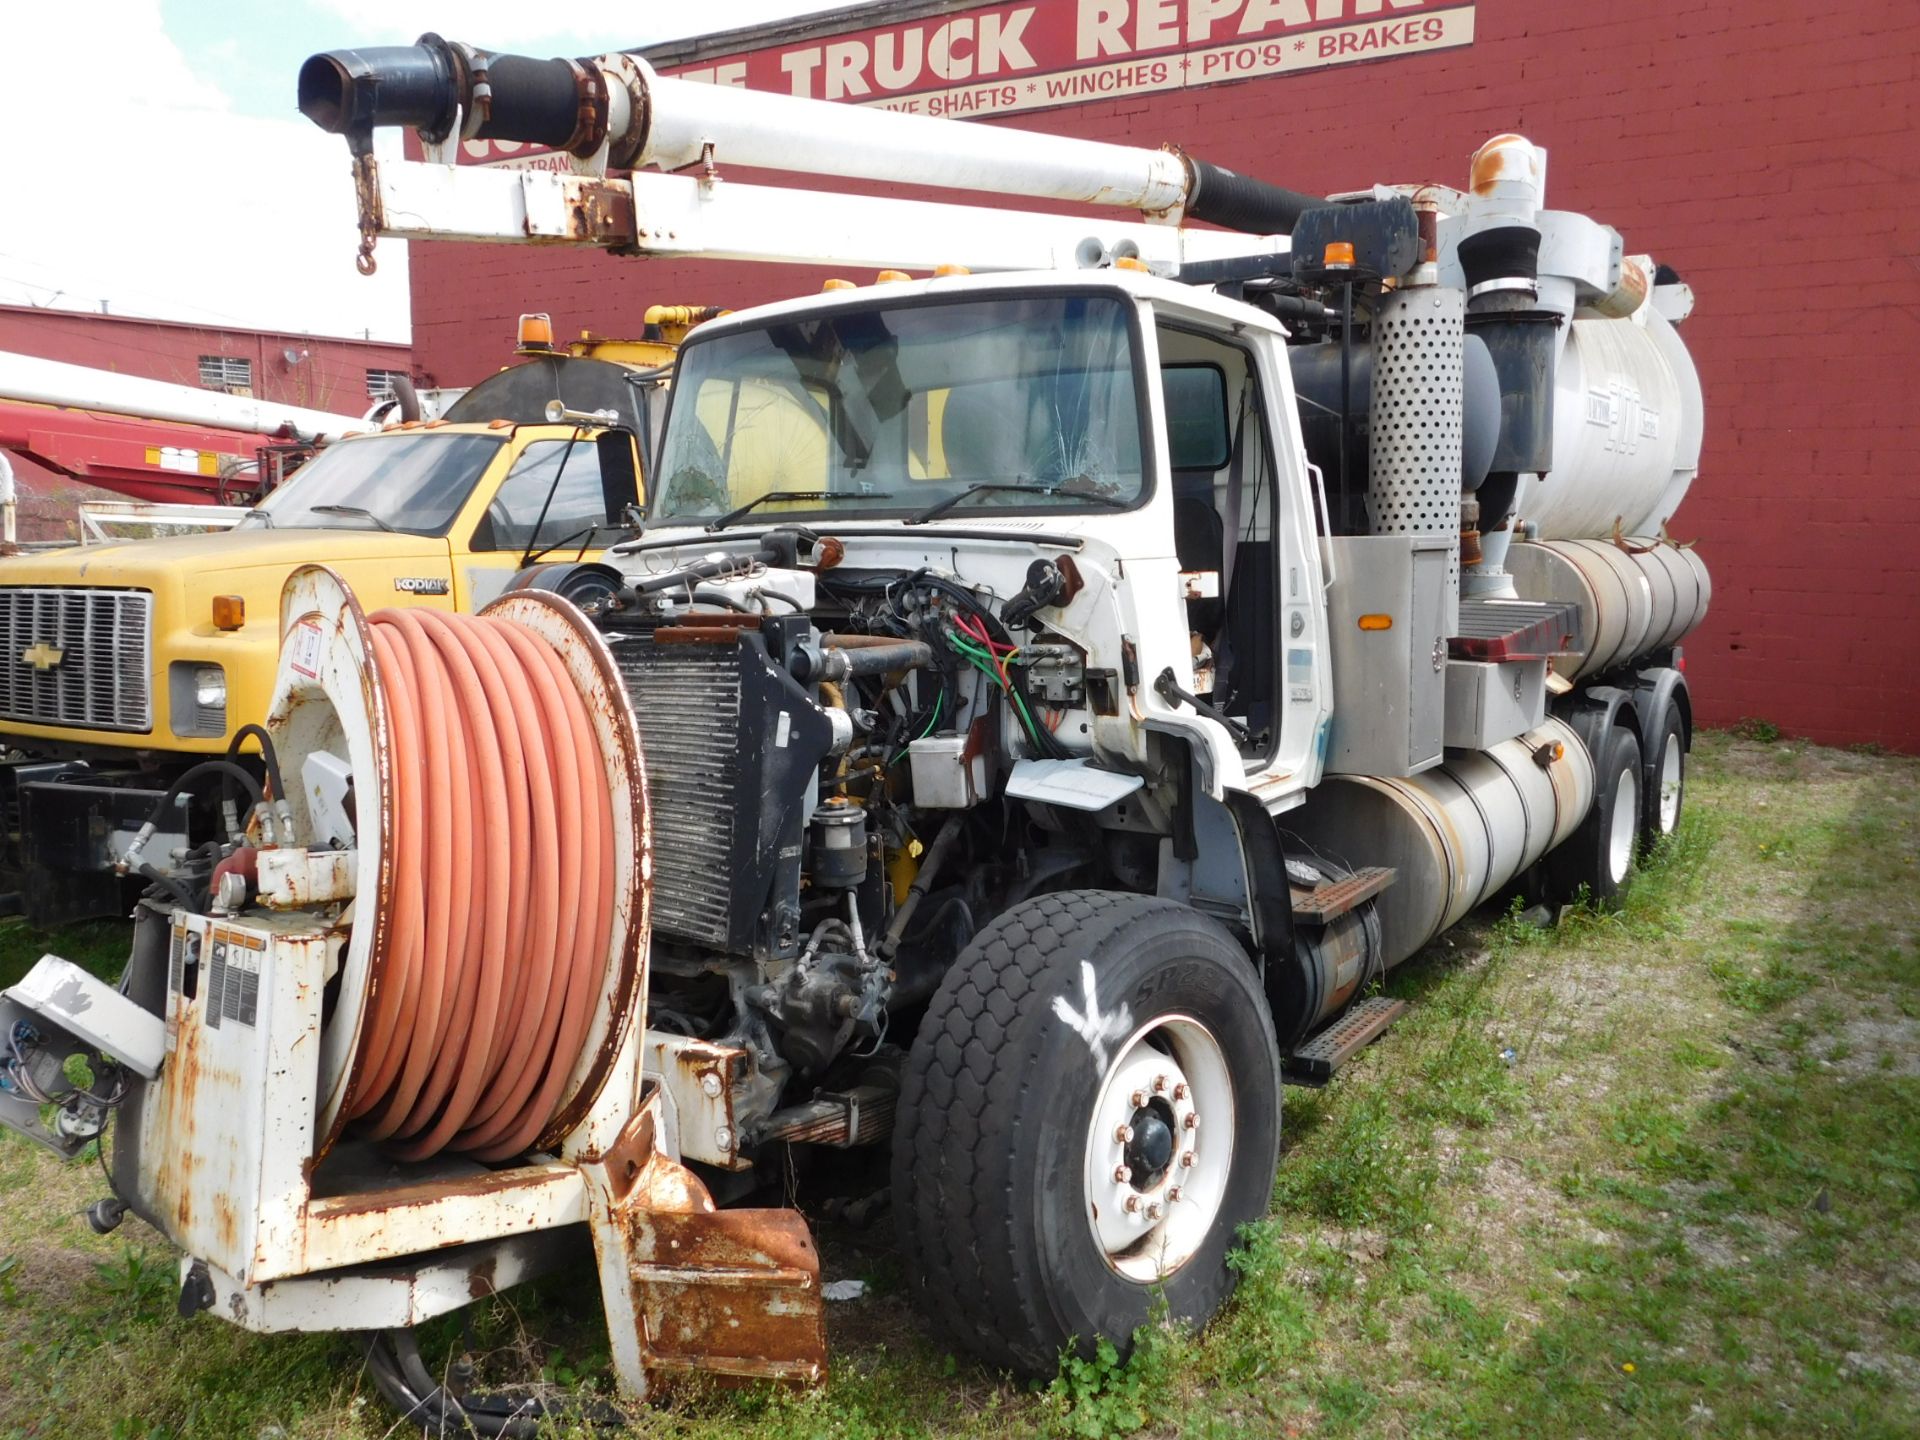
(501, 888)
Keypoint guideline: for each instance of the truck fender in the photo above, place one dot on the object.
(1592, 710)
(1653, 688)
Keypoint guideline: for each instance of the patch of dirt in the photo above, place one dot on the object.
(1878, 1047)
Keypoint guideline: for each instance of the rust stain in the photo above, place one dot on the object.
(1490, 162)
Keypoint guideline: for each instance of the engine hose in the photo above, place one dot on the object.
(501, 899)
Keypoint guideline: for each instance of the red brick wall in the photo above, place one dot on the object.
(332, 376)
(1763, 148)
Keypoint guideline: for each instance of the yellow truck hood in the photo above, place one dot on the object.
(146, 563)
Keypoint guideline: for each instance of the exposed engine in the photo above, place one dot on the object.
(826, 747)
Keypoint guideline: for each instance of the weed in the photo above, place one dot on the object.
(1763, 732)
(1093, 1399)
(139, 1283)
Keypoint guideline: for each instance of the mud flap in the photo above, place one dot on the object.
(691, 1290)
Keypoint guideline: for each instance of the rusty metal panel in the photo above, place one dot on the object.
(729, 1292)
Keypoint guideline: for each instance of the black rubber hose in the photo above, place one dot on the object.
(876, 659)
(1235, 202)
(226, 769)
(349, 91)
(267, 752)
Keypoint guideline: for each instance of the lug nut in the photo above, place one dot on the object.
(1153, 1211)
(1186, 1161)
(1173, 1194)
(1192, 1122)
(1159, 1084)
(1133, 1204)
(1124, 1135)
(1138, 1098)
(1180, 1091)
(1121, 1174)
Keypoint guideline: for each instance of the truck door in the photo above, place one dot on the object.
(582, 511)
(1244, 533)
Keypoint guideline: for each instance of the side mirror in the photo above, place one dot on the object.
(619, 474)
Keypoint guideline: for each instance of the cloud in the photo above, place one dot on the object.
(142, 185)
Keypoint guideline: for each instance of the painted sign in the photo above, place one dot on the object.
(1003, 59)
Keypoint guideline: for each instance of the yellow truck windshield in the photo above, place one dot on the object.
(411, 482)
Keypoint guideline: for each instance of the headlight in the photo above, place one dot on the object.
(197, 693)
(210, 688)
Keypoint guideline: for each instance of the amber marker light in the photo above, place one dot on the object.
(1338, 255)
(229, 612)
(1376, 622)
(536, 332)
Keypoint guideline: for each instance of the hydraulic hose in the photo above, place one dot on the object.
(502, 888)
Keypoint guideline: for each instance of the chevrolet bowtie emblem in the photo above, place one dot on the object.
(42, 656)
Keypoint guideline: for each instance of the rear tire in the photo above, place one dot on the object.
(1009, 1140)
(1600, 855)
(1666, 787)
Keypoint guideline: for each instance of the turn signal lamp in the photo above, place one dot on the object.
(229, 612)
(839, 285)
(1338, 255)
(536, 333)
(891, 277)
(1376, 622)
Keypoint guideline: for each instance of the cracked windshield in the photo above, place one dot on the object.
(1026, 403)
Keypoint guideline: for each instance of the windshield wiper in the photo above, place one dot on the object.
(1023, 487)
(810, 496)
(359, 510)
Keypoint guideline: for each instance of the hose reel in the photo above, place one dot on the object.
(492, 954)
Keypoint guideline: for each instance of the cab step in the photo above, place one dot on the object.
(1331, 900)
(1316, 1059)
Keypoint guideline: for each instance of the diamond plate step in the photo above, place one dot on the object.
(1318, 1057)
(1332, 900)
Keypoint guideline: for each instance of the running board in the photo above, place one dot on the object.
(1320, 1055)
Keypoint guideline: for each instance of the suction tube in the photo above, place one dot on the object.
(646, 119)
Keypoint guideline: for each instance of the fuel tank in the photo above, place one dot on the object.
(1634, 597)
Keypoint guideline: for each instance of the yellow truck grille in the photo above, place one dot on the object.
(76, 657)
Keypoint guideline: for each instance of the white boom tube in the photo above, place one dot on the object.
(781, 132)
(36, 381)
(678, 215)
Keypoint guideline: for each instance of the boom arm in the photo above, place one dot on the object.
(616, 113)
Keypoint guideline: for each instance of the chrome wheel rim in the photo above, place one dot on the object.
(1626, 821)
(1672, 769)
(1168, 1096)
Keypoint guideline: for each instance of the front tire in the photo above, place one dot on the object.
(1086, 1050)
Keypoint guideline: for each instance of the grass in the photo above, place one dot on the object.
(1655, 1172)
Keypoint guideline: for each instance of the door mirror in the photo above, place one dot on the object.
(619, 474)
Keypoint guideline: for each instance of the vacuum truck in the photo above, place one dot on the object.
(1048, 697)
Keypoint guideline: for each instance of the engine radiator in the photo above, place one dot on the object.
(687, 700)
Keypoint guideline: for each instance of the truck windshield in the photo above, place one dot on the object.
(414, 482)
(1027, 403)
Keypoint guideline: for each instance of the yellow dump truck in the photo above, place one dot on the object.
(126, 663)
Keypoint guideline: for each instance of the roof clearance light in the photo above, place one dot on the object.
(951, 270)
(891, 277)
(536, 332)
(1338, 255)
(1376, 622)
(838, 284)
(1132, 262)
(229, 612)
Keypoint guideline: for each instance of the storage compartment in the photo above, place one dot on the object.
(1488, 702)
(1387, 611)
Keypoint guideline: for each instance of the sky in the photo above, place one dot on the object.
(155, 161)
